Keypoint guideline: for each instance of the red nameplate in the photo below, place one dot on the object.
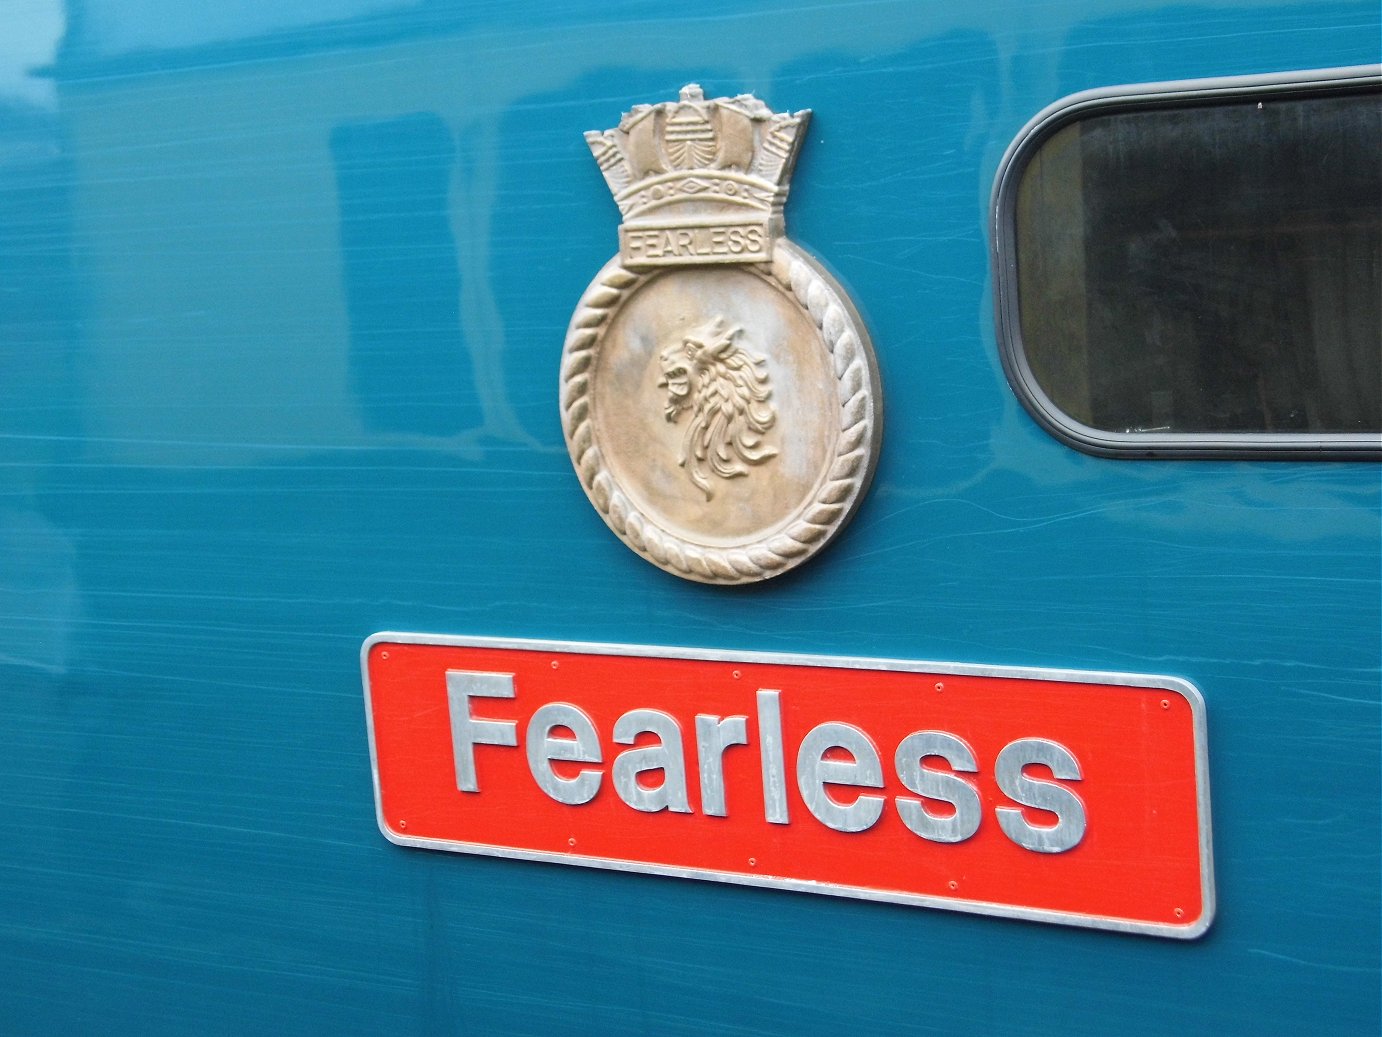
(1078, 798)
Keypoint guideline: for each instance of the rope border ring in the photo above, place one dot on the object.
(837, 497)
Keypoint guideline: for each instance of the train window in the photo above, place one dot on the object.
(1197, 270)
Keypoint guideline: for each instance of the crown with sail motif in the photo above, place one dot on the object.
(700, 181)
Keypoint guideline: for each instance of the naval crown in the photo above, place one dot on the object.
(700, 181)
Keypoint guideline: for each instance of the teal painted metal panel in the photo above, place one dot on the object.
(282, 296)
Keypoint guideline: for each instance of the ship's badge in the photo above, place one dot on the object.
(719, 393)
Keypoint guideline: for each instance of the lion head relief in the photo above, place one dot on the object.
(726, 389)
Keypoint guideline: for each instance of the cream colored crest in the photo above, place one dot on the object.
(719, 394)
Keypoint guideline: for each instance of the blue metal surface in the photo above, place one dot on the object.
(281, 300)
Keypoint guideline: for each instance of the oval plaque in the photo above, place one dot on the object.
(720, 398)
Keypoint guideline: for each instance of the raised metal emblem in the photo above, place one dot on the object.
(719, 394)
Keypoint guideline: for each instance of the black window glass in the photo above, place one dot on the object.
(1207, 267)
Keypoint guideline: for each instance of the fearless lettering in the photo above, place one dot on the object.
(839, 769)
(690, 244)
